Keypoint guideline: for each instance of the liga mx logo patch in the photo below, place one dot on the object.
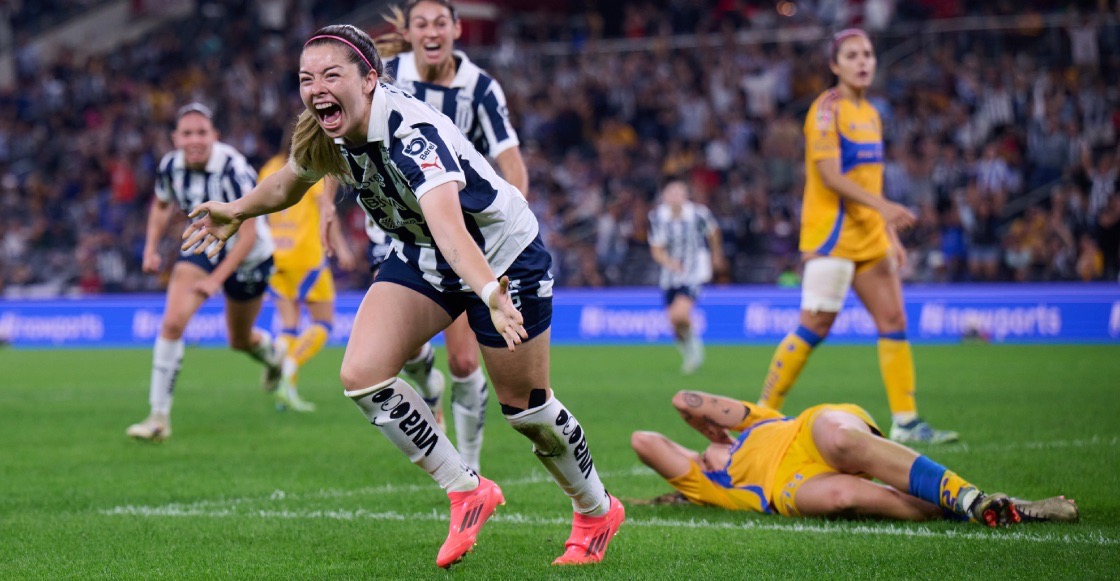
(424, 154)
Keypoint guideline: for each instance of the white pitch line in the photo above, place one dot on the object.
(885, 529)
(1095, 441)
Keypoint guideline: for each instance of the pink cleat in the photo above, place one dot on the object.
(469, 511)
(591, 535)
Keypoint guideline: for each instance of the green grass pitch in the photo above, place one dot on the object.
(243, 491)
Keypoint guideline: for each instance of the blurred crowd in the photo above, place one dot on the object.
(1003, 139)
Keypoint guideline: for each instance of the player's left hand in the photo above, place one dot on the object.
(506, 318)
(207, 287)
(346, 259)
(215, 224)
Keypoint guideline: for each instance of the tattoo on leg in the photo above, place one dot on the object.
(692, 400)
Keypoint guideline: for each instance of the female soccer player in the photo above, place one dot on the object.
(201, 169)
(849, 239)
(303, 275)
(820, 464)
(454, 224)
(421, 58)
(685, 240)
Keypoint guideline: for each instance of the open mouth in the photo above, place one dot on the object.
(330, 114)
(432, 50)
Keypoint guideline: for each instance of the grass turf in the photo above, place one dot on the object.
(243, 491)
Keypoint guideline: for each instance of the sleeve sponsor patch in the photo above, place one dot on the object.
(424, 152)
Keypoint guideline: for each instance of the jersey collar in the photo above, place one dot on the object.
(378, 129)
(464, 71)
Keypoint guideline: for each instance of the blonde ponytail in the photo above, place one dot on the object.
(393, 43)
(313, 150)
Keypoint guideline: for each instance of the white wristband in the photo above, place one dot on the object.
(488, 291)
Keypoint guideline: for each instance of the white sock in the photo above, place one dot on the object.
(468, 408)
(289, 368)
(560, 444)
(264, 351)
(399, 412)
(904, 418)
(418, 369)
(684, 345)
(167, 356)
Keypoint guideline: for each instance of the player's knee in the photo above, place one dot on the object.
(172, 329)
(842, 444)
(355, 377)
(841, 500)
(891, 319)
(462, 364)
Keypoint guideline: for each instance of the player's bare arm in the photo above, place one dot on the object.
(711, 415)
(894, 214)
(444, 216)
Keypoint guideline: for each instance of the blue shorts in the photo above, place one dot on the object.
(692, 292)
(242, 285)
(530, 287)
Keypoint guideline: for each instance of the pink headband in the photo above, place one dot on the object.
(840, 37)
(343, 41)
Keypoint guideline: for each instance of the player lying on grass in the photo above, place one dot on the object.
(820, 463)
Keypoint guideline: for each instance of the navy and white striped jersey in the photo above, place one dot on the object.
(227, 177)
(685, 239)
(474, 101)
(413, 148)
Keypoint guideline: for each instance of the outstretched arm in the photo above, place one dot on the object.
(666, 457)
(219, 221)
(711, 415)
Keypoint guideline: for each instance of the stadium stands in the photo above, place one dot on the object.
(1002, 133)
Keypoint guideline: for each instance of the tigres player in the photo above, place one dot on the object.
(849, 239)
(302, 276)
(820, 464)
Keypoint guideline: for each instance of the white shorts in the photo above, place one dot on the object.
(825, 284)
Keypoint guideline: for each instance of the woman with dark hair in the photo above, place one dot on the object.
(463, 240)
(849, 239)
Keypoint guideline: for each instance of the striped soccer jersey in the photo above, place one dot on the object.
(227, 177)
(474, 101)
(685, 239)
(412, 148)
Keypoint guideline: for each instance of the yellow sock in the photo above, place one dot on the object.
(789, 358)
(934, 483)
(896, 363)
(951, 487)
(310, 342)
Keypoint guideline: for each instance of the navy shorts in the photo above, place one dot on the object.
(377, 254)
(243, 284)
(530, 287)
(689, 291)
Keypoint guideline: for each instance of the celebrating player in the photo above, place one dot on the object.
(820, 464)
(685, 240)
(422, 60)
(201, 169)
(454, 224)
(303, 275)
(849, 239)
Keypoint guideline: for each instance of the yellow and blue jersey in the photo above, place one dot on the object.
(851, 131)
(295, 231)
(773, 455)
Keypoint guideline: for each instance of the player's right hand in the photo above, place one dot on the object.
(215, 224)
(506, 318)
(152, 261)
(898, 216)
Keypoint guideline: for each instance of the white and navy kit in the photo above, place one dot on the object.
(227, 177)
(413, 148)
(380, 245)
(474, 101)
(685, 239)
